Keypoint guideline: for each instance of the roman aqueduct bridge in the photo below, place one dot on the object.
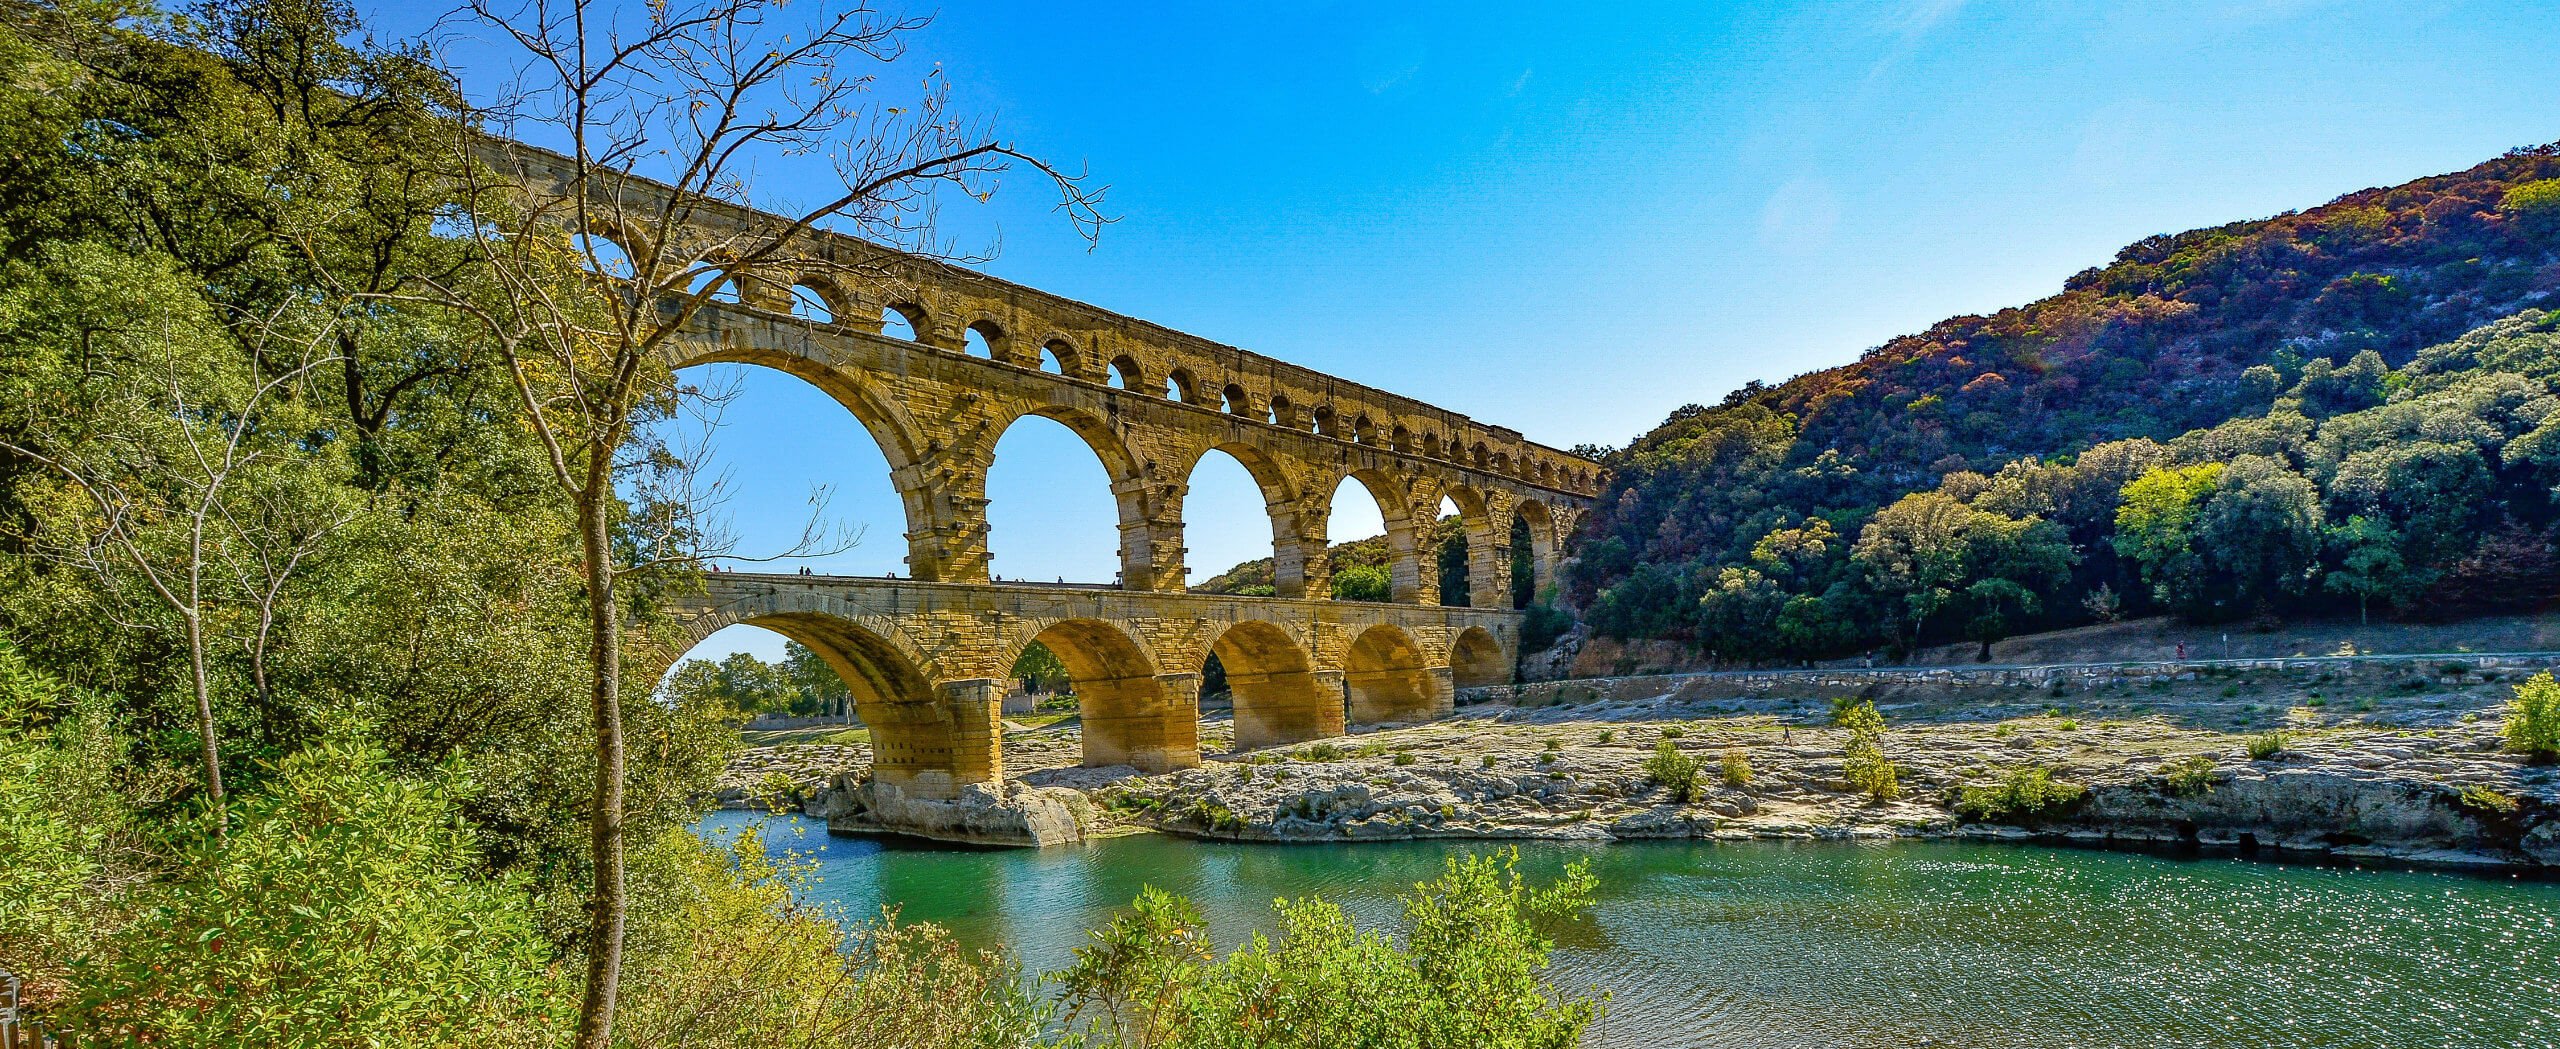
(927, 657)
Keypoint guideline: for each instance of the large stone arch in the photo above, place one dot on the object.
(919, 741)
(1130, 714)
(1132, 493)
(1476, 659)
(1542, 545)
(1280, 493)
(1405, 570)
(1279, 696)
(1387, 676)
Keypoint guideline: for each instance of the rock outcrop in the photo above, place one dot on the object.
(1012, 813)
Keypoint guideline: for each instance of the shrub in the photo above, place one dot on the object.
(69, 844)
(1554, 745)
(1321, 752)
(2533, 718)
(1607, 738)
(1673, 771)
(2190, 777)
(2024, 795)
(1548, 758)
(1673, 732)
(1488, 761)
(2485, 801)
(341, 909)
(1864, 765)
(2267, 746)
(1467, 970)
(1736, 767)
(2069, 725)
(1404, 757)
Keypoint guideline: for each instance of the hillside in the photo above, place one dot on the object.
(2346, 444)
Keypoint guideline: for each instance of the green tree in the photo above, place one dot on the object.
(2368, 562)
(1362, 583)
(2260, 532)
(2534, 207)
(2532, 724)
(1039, 668)
(2156, 524)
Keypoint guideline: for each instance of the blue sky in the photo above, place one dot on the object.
(1572, 219)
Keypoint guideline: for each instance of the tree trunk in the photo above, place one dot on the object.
(204, 718)
(607, 906)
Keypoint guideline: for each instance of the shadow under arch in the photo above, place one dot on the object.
(1119, 467)
(1541, 527)
(1476, 660)
(1386, 678)
(1278, 698)
(1129, 716)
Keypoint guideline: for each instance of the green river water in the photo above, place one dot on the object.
(1769, 944)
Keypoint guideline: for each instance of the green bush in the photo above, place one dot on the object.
(1673, 771)
(1673, 732)
(1404, 757)
(1736, 767)
(2533, 718)
(1466, 971)
(1321, 752)
(2024, 795)
(2267, 746)
(1864, 764)
(2190, 777)
(69, 844)
(2486, 801)
(341, 909)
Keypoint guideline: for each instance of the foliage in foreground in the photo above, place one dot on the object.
(2533, 718)
(1468, 973)
(1863, 762)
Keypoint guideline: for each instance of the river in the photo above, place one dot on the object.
(1769, 944)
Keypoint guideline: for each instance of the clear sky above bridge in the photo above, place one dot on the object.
(1572, 219)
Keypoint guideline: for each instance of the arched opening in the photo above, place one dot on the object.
(722, 289)
(1179, 386)
(1126, 375)
(1445, 541)
(1051, 514)
(1384, 679)
(1237, 401)
(810, 304)
(1363, 431)
(833, 514)
(903, 320)
(1128, 716)
(603, 255)
(1431, 446)
(1057, 357)
(1367, 542)
(1533, 554)
(915, 743)
(777, 684)
(1282, 412)
(1227, 530)
(984, 339)
(1400, 439)
(1475, 660)
(1276, 695)
(1326, 423)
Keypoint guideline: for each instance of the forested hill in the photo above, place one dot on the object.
(1734, 526)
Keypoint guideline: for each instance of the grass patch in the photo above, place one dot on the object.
(2024, 795)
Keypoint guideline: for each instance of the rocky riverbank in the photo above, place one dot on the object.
(2411, 773)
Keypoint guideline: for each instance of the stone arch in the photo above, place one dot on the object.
(1404, 560)
(1327, 423)
(989, 334)
(1431, 446)
(918, 743)
(1279, 495)
(1180, 386)
(605, 253)
(1278, 697)
(1127, 374)
(919, 322)
(1120, 466)
(816, 299)
(1476, 660)
(1283, 414)
(1477, 455)
(1386, 678)
(1542, 545)
(1063, 354)
(1363, 431)
(1129, 715)
(1238, 402)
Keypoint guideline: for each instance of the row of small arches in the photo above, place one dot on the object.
(905, 320)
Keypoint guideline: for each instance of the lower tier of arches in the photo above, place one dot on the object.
(928, 664)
